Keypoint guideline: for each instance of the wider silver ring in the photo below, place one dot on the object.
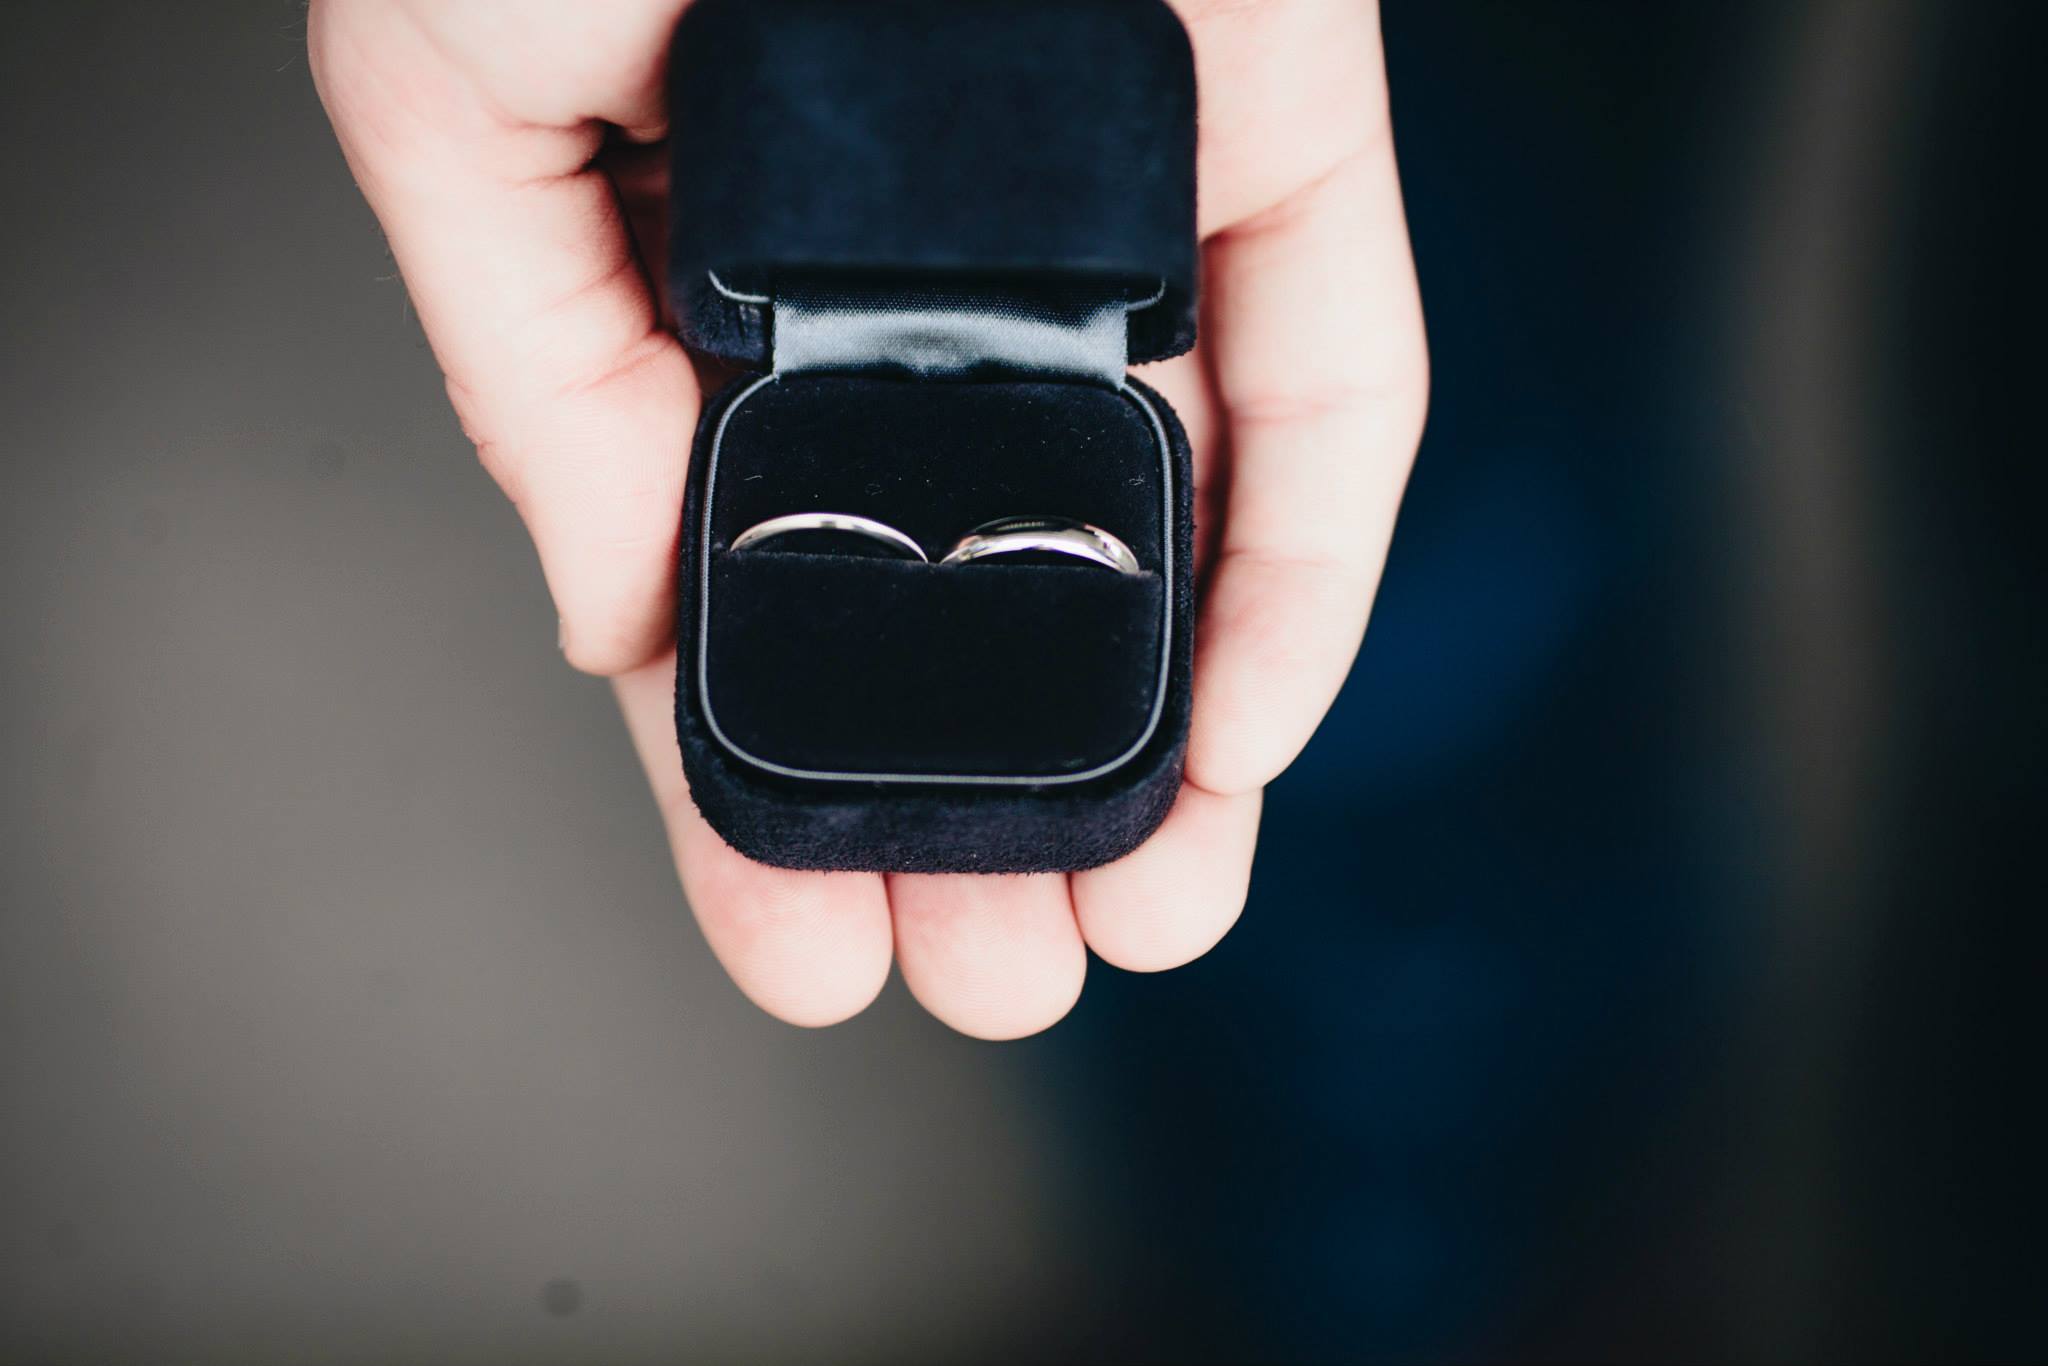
(843, 522)
(1045, 535)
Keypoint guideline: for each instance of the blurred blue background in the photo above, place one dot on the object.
(1635, 966)
(1632, 965)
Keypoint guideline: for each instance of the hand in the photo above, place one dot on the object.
(472, 127)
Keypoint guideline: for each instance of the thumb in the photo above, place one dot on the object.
(524, 276)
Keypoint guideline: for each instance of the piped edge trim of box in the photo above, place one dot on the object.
(1160, 690)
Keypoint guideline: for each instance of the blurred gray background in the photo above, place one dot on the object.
(349, 1010)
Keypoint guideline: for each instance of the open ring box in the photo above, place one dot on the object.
(937, 232)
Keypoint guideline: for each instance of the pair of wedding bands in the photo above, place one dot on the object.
(1004, 536)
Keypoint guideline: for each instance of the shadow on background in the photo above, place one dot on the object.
(1632, 968)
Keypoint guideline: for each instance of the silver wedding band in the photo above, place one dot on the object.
(843, 522)
(1004, 536)
(1043, 535)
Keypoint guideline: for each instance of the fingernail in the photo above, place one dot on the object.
(562, 634)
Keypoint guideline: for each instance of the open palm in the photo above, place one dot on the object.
(473, 127)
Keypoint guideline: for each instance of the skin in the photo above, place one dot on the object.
(495, 141)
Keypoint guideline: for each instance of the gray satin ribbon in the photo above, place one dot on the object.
(937, 334)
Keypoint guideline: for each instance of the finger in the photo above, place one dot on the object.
(640, 175)
(809, 948)
(1321, 368)
(994, 957)
(1180, 892)
(475, 159)
(1272, 81)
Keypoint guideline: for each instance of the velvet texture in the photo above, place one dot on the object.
(870, 665)
(857, 664)
(1039, 139)
(972, 214)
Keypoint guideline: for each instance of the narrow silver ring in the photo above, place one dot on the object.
(844, 522)
(1051, 535)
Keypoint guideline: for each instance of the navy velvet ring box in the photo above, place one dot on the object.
(937, 233)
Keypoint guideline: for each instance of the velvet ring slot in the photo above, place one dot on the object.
(842, 668)
(858, 667)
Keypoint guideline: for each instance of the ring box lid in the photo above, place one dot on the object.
(1044, 146)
